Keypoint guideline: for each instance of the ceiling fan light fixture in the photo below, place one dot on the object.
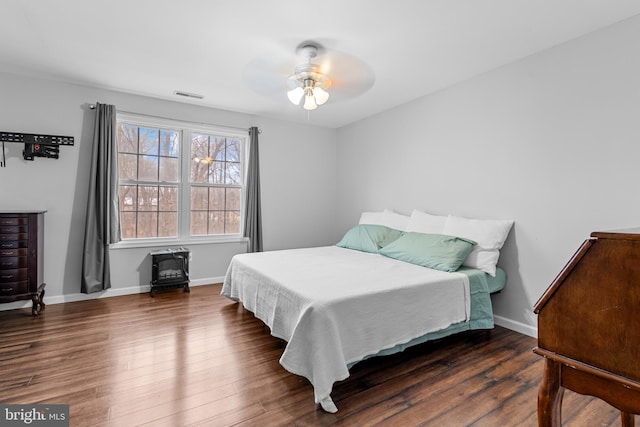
(321, 95)
(309, 81)
(295, 95)
(313, 95)
(310, 100)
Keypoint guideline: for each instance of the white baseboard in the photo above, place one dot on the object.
(112, 292)
(522, 328)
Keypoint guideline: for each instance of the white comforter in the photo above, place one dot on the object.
(335, 306)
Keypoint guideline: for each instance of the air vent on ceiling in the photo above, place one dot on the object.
(188, 95)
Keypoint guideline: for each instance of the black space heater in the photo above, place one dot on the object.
(169, 269)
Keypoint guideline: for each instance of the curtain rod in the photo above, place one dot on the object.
(93, 107)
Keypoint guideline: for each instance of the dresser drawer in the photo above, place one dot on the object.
(14, 288)
(12, 262)
(16, 244)
(13, 236)
(13, 221)
(14, 275)
(13, 229)
(13, 252)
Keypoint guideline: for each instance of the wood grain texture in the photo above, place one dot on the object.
(588, 327)
(198, 359)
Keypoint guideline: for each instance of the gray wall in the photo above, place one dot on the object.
(297, 165)
(552, 142)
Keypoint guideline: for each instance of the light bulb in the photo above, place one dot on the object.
(295, 95)
(310, 101)
(321, 95)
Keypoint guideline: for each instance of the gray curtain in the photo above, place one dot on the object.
(102, 225)
(253, 214)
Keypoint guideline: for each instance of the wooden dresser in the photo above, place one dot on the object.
(589, 327)
(21, 257)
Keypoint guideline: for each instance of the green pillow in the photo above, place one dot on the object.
(392, 235)
(368, 237)
(437, 251)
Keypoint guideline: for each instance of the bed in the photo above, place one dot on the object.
(374, 293)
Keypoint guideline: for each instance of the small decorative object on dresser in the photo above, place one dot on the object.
(21, 257)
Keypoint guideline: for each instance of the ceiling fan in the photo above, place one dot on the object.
(309, 81)
(315, 74)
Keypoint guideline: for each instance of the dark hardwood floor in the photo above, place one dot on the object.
(198, 359)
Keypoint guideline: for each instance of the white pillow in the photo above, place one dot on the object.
(372, 218)
(422, 222)
(387, 218)
(396, 220)
(489, 235)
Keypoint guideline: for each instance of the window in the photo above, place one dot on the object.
(179, 181)
(216, 184)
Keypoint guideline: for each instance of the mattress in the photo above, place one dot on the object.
(337, 306)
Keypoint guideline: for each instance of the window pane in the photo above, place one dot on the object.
(216, 199)
(199, 170)
(169, 143)
(169, 169)
(217, 173)
(168, 199)
(127, 138)
(147, 224)
(201, 142)
(127, 166)
(233, 173)
(148, 168)
(149, 142)
(199, 158)
(233, 199)
(199, 198)
(216, 149)
(128, 225)
(216, 222)
(127, 197)
(168, 224)
(147, 198)
(199, 146)
(233, 222)
(198, 223)
(233, 150)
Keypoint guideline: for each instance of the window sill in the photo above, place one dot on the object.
(152, 243)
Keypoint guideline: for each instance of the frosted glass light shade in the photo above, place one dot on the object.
(310, 102)
(295, 95)
(321, 95)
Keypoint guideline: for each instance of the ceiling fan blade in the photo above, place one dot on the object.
(349, 75)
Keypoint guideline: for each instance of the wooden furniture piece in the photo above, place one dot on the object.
(21, 258)
(589, 327)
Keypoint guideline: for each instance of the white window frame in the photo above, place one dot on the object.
(186, 129)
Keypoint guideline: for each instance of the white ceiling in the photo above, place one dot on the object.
(413, 47)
